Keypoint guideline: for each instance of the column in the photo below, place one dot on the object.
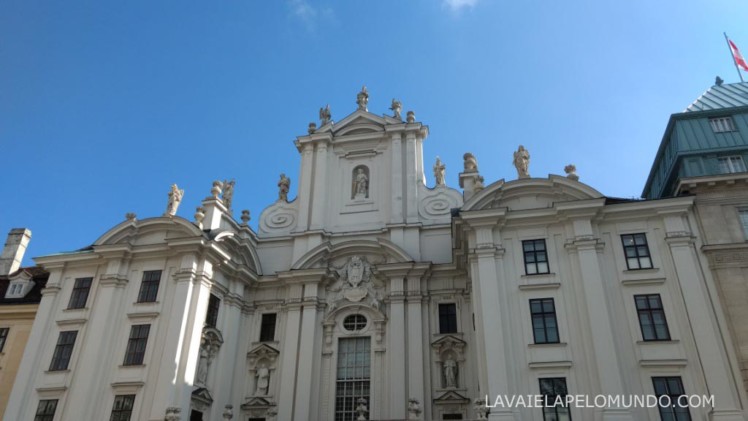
(308, 356)
(411, 197)
(223, 369)
(415, 342)
(289, 353)
(319, 195)
(396, 351)
(305, 187)
(397, 179)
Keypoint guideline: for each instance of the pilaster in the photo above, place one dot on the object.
(319, 195)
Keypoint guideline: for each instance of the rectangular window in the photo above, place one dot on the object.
(353, 378)
(731, 164)
(267, 328)
(722, 124)
(452, 416)
(136, 344)
(636, 250)
(211, 318)
(46, 410)
(652, 317)
(536, 257)
(149, 286)
(80, 293)
(743, 215)
(553, 389)
(3, 337)
(672, 387)
(448, 318)
(63, 350)
(544, 326)
(122, 408)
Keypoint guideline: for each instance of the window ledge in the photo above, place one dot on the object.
(131, 366)
(548, 345)
(664, 342)
(143, 315)
(67, 370)
(643, 281)
(146, 303)
(647, 270)
(538, 275)
(73, 310)
(540, 285)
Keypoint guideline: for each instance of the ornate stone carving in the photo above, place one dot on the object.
(130, 216)
(449, 367)
(397, 108)
(262, 360)
(481, 410)
(478, 184)
(362, 99)
(470, 163)
(172, 414)
(262, 380)
(209, 345)
(414, 409)
(360, 188)
(284, 184)
(571, 172)
(522, 162)
(228, 192)
(312, 127)
(175, 198)
(361, 409)
(354, 285)
(411, 117)
(449, 346)
(199, 216)
(325, 116)
(439, 169)
(215, 191)
(228, 412)
(245, 217)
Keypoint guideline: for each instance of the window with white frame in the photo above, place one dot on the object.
(722, 124)
(354, 377)
(731, 164)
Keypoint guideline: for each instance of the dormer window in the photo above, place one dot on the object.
(722, 124)
(731, 164)
(18, 288)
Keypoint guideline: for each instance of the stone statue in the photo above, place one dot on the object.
(522, 162)
(312, 128)
(450, 372)
(228, 193)
(228, 412)
(414, 409)
(479, 405)
(175, 198)
(325, 116)
(397, 108)
(130, 216)
(361, 409)
(283, 186)
(410, 117)
(470, 163)
(439, 172)
(245, 217)
(202, 365)
(199, 216)
(360, 185)
(172, 414)
(571, 172)
(262, 380)
(362, 99)
(478, 186)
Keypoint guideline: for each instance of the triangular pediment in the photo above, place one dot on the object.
(448, 340)
(263, 350)
(359, 122)
(257, 403)
(451, 398)
(202, 395)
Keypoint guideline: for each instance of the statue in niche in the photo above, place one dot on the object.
(397, 109)
(325, 116)
(228, 193)
(449, 367)
(283, 186)
(262, 381)
(362, 99)
(175, 198)
(439, 169)
(360, 183)
(202, 365)
(522, 162)
(470, 163)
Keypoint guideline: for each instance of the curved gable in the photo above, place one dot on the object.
(149, 231)
(388, 251)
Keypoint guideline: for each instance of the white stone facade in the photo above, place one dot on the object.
(366, 237)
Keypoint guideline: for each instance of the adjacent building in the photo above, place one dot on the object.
(703, 154)
(20, 293)
(374, 294)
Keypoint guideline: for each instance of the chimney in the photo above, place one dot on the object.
(15, 247)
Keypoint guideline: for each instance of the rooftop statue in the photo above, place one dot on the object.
(439, 169)
(325, 116)
(522, 162)
(175, 198)
(397, 109)
(228, 193)
(283, 186)
(470, 163)
(362, 99)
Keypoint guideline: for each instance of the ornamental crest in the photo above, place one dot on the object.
(354, 284)
(354, 272)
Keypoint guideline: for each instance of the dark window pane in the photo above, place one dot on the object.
(149, 286)
(652, 317)
(80, 292)
(136, 344)
(63, 350)
(536, 259)
(3, 337)
(211, 317)
(45, 411)
(636, 250)
(267, 328)
(544, 323)
(447, 318)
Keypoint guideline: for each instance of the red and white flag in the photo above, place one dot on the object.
(739, 60)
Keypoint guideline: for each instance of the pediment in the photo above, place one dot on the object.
(448, 340)
(263, 350)
(202, 395)
(257, 403)
(149, 231)
(451, 398)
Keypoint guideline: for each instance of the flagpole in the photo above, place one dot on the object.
(732, 54)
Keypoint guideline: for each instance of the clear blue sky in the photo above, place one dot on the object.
(103, 105)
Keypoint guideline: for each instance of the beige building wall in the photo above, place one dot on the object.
(19, 319)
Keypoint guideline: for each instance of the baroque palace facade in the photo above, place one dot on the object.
(374, 296)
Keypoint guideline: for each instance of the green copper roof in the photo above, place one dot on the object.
(721, 96)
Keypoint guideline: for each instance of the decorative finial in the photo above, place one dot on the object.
(228, 412)
(718, 81)
(130, 216)
(228, 192)
(414, 409)
(410, 117)
(361, 409)
(439, 169)
(397, 108)
(571, 172)
(175, 198)
(362, 99)
(522, 162)
(469, 162)
(283, 186)
(245, 217)
(312, 127)
(216, 189)
(325, 116)
(199, 216)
